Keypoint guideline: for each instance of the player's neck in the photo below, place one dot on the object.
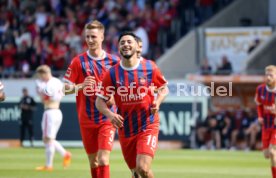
(96, 53)
(271, 87)
(130, 63)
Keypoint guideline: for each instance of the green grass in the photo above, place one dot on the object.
(20, 163)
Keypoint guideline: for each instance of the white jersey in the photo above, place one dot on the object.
(1, 86)
(52, 89)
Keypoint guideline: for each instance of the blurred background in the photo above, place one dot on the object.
(196, 44)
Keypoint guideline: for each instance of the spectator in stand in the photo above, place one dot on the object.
(141, 32)
(8, 57)
(205, 68)
(43, 24)
(205, 9)
(225, 68)
(73, 40)
(253, 46)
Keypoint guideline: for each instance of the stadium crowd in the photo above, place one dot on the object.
(225, 129)
(50, 32)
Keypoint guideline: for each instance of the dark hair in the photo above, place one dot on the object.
(127, 33)
(138, 39)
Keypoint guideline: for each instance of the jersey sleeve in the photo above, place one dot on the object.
(72, 73)
(257, 96)
(260, 109)
(158, 78)
(106, 88)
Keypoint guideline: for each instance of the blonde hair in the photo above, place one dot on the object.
(270, 68)
(43, 69)
(95, 24)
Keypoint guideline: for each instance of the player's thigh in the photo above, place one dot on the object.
(272, 143)
(57, 116)
(46, 125)
(89, 139)
(106, 135)
(129, 151)
(54, 119)
(266, 137)
(147, 141)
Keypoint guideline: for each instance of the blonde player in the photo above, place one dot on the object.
(265, 100)
(50, 90)
(2, 94)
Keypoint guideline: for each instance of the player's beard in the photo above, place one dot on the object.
(128, 56)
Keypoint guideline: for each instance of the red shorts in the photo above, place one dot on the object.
(268, 137)
(97, 137)
(142, 143)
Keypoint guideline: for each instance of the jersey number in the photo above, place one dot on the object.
(111, 138)
(151, 141)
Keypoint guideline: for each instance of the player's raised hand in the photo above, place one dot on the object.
(117, 120)
(154, 107)
(89, 81)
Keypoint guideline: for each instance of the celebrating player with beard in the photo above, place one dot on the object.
(132, 82)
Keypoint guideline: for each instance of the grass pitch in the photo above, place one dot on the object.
(20, 163)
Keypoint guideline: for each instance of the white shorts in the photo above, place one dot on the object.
(51, 122)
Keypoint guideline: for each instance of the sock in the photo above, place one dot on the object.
(59, 148)
(95, 172)
(104, 171)
(273, 170)
(49, 152)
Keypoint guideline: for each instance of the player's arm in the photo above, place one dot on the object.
(2, 93)
(161, 88)
(70, 88)
(161, 95)
(260, 108)
(104, 98)
(116, 119)
(2, 96)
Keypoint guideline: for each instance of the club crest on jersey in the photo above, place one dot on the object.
(108, 66)
(142, 80)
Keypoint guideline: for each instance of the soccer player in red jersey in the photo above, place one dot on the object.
(133, 83)
(2, 94)
(265, 100)
(82, 77)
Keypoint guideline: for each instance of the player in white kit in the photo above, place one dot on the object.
(2, 94)
(50, 90)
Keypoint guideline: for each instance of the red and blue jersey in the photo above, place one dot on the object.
(265, 98)
(132, 91)
(82, 66)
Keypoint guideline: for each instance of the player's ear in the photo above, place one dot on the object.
(102, 36)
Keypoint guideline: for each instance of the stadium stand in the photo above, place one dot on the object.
(32, 32)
